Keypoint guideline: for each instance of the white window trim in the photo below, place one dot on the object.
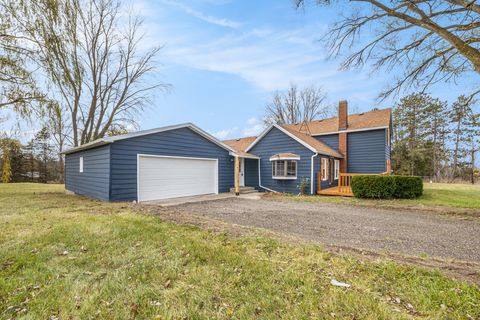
(325, 169)
(284, 158)
(284, 177)
(337, 169)
(80, 169)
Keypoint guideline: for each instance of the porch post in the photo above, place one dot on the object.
(237, 175)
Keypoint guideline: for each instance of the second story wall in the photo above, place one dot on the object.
(367, 151)
(330, 140)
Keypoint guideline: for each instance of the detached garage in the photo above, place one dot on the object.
(163, 163)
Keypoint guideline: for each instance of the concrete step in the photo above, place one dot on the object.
(244, 190)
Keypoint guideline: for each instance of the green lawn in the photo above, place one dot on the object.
(450, 197)
(68, 257)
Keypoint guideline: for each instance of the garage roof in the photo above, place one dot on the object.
(108, 140)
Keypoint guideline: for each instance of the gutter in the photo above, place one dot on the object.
(90, 145)
(260, 180)
(311, 173)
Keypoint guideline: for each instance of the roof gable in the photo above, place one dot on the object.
(308, 142)
(108, 140)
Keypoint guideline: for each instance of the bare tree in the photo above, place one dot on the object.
(92, 55)
(18, 89)
(296, 105)
(431, 41)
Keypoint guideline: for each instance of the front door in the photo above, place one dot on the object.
(242, 172)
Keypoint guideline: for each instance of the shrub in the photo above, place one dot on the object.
(304, 185)
(387, 187)
(408, 187)
(381, 187)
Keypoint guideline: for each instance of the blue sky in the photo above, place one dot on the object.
(225, 58)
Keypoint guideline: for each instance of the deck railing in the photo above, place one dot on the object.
(344, 186)
(345, 180)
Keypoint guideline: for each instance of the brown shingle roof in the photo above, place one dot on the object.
(320, 147)
(240, 144)
(371, 119)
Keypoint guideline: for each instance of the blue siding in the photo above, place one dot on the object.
(251, 173)
(95, 179)
(275, 142)
(330, 140)
(387, 147)
(366, 151)
(180, 142)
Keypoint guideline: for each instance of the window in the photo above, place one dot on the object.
(337, 169)
(284, 169)
(81, 165)
(324, 169)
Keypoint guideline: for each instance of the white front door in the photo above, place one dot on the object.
(242, 172)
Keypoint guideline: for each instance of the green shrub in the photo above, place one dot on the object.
(387, 187)
(408, 187)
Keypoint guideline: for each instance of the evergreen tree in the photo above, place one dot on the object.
(44, 150)
(460, 115)
(472, 141)
(6, 168)
(17, 159)
(409, 122)
(437, 130)
(14, 148)
(30, 163)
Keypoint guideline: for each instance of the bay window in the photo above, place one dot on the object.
(284, 169)
(284, 166)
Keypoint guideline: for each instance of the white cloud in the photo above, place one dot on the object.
(226, 133)
(268, 59)
(222, 22)
(255, 127)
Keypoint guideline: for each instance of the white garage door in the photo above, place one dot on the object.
(163, 177)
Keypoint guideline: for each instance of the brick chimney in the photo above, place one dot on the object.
(342, 136)
(342, 115)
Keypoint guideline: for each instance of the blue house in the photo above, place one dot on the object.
(184, 160)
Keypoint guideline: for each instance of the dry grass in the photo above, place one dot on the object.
(69, 257)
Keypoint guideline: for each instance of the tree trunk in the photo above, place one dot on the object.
(455, 152)
(472, 176)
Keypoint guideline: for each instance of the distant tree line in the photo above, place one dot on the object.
(434, 139)
(35, 161)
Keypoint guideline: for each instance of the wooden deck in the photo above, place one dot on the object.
(344, 188)
(333, 191)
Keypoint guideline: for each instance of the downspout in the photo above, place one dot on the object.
(311, 173)
(260, 179)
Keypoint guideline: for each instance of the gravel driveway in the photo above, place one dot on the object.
(395, 231)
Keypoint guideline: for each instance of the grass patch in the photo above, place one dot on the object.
(70, 257)
(443, 195)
